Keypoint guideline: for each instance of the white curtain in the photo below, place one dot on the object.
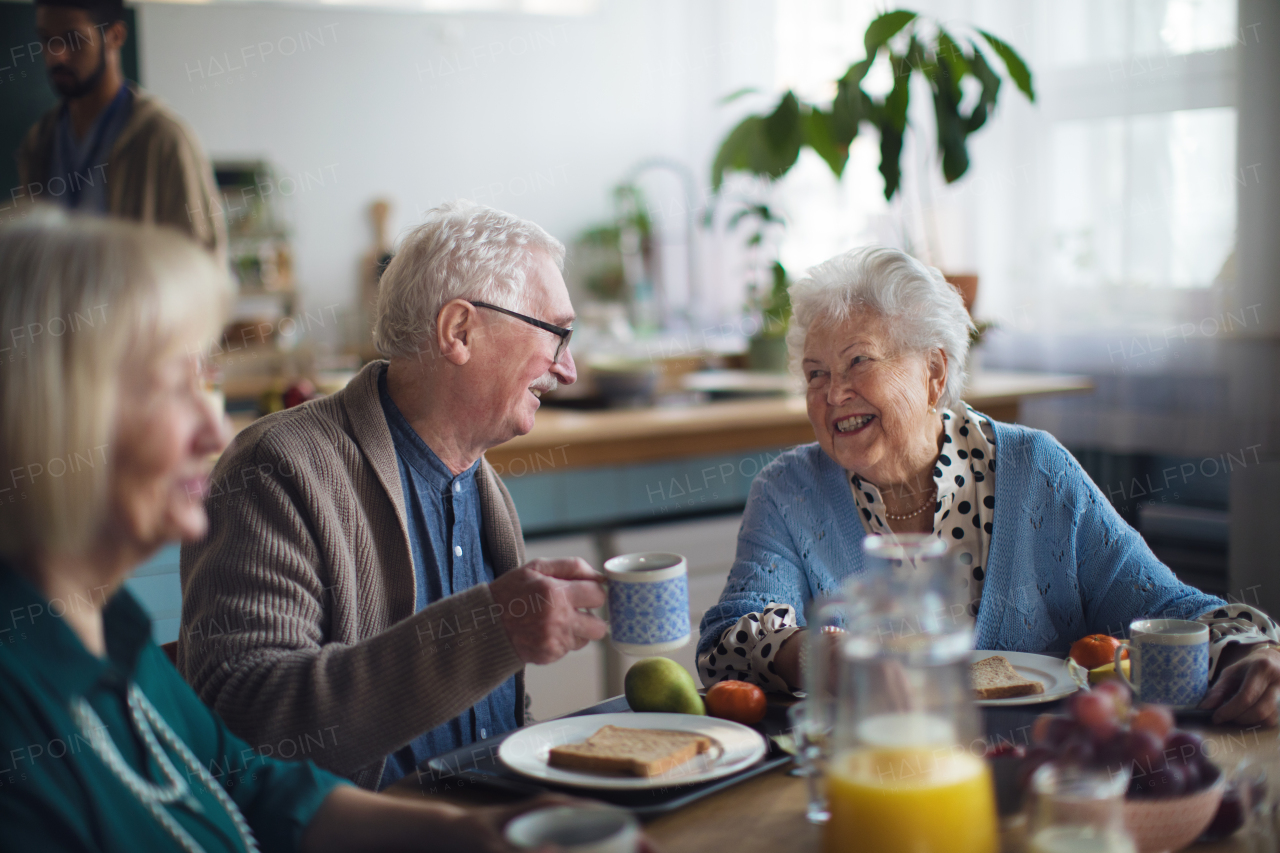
(1101, 219)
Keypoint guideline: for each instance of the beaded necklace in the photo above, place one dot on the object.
(149, 723)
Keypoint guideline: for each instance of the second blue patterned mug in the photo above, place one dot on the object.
(1168, 661)
(648, 603)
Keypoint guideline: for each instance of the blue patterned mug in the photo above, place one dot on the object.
(1168, 661)
(648, 603)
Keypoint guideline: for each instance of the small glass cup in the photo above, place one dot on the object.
(812, 734)
(1247, 804)
(1079, 810)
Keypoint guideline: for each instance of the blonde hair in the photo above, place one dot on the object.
(463, 250)
(82, 300)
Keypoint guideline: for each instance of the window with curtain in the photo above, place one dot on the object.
(1098, 218)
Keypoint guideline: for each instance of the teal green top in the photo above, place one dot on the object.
(56, 794)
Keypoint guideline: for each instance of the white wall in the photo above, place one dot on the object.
(537, 115)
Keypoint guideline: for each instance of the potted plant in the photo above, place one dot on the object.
(769, 145)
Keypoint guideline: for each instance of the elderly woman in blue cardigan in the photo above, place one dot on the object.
(880, 342)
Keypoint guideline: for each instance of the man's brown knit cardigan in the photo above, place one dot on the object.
(298, 622)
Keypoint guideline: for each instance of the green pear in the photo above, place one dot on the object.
(661, 684)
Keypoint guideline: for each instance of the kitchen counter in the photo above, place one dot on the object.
(564, 439)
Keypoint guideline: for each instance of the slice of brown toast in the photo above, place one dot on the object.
(995, 678)
(622, 751)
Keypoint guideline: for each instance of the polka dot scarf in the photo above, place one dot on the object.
(965, 477)
(1239, 624)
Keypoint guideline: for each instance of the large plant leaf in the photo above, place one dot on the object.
(738, 149)
(782, 128)
(890, 157)
(763, 145)
(884, 28)
(851, 106)
(990, 90)
(950, 54)
(891, 117)
(820, 136)
(899, 97)
(951, 134)
(1013, 63)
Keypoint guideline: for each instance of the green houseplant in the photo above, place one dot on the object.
(769, 145)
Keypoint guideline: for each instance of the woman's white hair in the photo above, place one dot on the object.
(921, 310)
(463, 250)
(82, 301)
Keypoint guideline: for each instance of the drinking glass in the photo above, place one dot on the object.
(907, 769)
(812, 734)
(1247, 808)
(813, 720)
(1078, 810)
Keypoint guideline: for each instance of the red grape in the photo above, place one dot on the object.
(1145, 750)
(1183, 747)
(1119, 693)
(1194, 780)
(1078, 749)
(1052, 730)
(1156, 719)
(1167, 781)
(1097, 712)
(1112, 753)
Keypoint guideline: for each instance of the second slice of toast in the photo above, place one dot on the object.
(995, 678)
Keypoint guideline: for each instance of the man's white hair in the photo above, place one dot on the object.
(921, 310)
(463, 250)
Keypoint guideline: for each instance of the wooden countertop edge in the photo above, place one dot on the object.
(558, 428)
(563, 439)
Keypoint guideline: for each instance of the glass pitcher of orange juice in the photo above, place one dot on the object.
(907, 769)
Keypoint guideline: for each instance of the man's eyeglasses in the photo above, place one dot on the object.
(561, 332)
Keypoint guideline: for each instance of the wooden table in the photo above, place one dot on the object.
(769, 810)
(568, 439)
(767, 813)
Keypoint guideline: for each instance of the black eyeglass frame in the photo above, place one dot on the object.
(561, 332)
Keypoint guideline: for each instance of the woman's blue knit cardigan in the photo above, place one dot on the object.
(1062, 563)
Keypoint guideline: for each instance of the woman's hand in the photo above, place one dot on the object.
(787, 660)
(1247, 691)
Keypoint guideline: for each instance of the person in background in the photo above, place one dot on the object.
(364, 570)
(108, 147)
(880, 340)
(105, 432)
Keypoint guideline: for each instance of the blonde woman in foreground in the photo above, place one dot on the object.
(105, 432)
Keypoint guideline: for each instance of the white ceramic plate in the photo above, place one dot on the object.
(738, 748)
(1050, 671)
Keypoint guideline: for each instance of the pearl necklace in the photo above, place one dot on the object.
(148, 722)
(928, 500)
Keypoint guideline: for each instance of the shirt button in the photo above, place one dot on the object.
(457, 487)
(484, 733)
(457, 550)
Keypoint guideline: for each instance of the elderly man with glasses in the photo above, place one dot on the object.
(362, 598)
